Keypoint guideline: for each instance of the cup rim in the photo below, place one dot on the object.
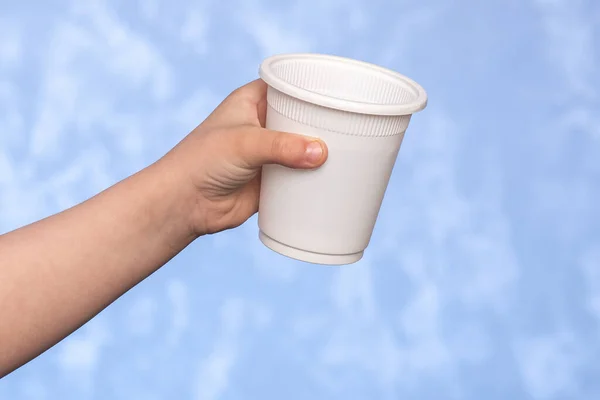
(419, 103)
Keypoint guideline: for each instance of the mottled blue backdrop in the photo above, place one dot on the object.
(482, 280)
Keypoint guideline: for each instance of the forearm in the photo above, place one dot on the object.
(58, 273)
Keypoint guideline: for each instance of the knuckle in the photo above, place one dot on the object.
(238, 93)
(279, 146)
(239, 141)
(243, 140)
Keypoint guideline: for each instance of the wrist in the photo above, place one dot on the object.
(173, 203)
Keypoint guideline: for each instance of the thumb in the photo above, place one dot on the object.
(263, 146)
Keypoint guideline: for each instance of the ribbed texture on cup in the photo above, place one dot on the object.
(335, 120)
(344, 81)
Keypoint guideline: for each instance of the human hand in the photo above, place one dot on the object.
(209, 182)
(221, 160)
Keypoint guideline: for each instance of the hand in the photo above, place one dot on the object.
(209, 182)
(222, 158)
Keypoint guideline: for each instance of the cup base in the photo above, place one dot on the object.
(309, 256)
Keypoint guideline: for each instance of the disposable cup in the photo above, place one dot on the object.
(361, 111)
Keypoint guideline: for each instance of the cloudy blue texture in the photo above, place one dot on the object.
(482, 280)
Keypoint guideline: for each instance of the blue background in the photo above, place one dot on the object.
(482, 280)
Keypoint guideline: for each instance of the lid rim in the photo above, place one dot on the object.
(418, 104)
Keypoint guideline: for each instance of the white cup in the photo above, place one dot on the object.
(361, 111)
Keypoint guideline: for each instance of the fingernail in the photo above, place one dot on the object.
(314, 152)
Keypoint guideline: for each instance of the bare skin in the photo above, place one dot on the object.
(58, 273)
